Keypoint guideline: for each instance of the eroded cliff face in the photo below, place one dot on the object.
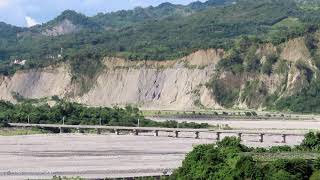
(174, 84)
(155, 84)
(36, 83)
(64, 27)
(292, 72)
(180, 84)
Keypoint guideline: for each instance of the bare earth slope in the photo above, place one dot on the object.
(36, 83)
(150, 84)
(173, 85)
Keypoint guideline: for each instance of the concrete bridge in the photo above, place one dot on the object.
(156, 130)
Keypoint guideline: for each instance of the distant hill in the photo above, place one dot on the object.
(68, 22)
(167, 31)
(265, 53)
(124, 18)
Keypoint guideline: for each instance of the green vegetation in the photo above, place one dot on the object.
(281, 67)
(75, 114)
(228, 159)
(18, 132)
(123, 19)
(307, 101)
(76, 18)
(168, 31)
(224, 95)
(267, 66)
(67, 178)
(243, 61)
(253, 92)
(164, 32)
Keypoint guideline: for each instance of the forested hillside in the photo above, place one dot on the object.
(164, 32)
(266, 53)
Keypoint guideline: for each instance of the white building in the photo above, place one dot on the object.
(20, 62)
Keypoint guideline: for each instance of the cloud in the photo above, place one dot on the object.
(4, 3)
(30, 21)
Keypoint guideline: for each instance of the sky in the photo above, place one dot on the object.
(28, 13)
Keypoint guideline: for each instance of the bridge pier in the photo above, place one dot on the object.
(240, 136)
(284, 138)
(156, 133)
(261, 138)
(135, 132)
(196, 135)
(176, 134)
(218, 136)
(98, 131)
(60, 130)
(117, 132)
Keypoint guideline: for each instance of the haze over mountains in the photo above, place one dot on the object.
(223, 53)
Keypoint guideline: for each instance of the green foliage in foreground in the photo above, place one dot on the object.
(75, 114)
(228, 159)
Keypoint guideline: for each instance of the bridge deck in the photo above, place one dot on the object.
(153, 129)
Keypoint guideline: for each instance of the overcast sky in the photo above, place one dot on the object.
(31, 12)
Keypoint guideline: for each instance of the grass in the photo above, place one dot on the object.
(67, 178)
(267, 157)
(231, 113)
(310, 7)
(195, 112)
(288, 23)
(20, 131)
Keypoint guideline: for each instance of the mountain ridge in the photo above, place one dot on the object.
(197, 5)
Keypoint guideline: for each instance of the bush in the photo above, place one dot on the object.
(267, 66)
(315, 175)
(293, 169)
(317, 164)
(224, 95)
(311, 141)
(4, 124)
(228, 159)
(275, 149)
(282, 175)
(246, 168)
(232, 143)
(201, 163)
(260, 150)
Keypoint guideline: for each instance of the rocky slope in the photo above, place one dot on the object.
(293, 70)
(64, 27)
(35, 84)
(176, 84)
(149, 84)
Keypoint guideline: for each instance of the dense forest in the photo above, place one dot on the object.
(229, 159)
